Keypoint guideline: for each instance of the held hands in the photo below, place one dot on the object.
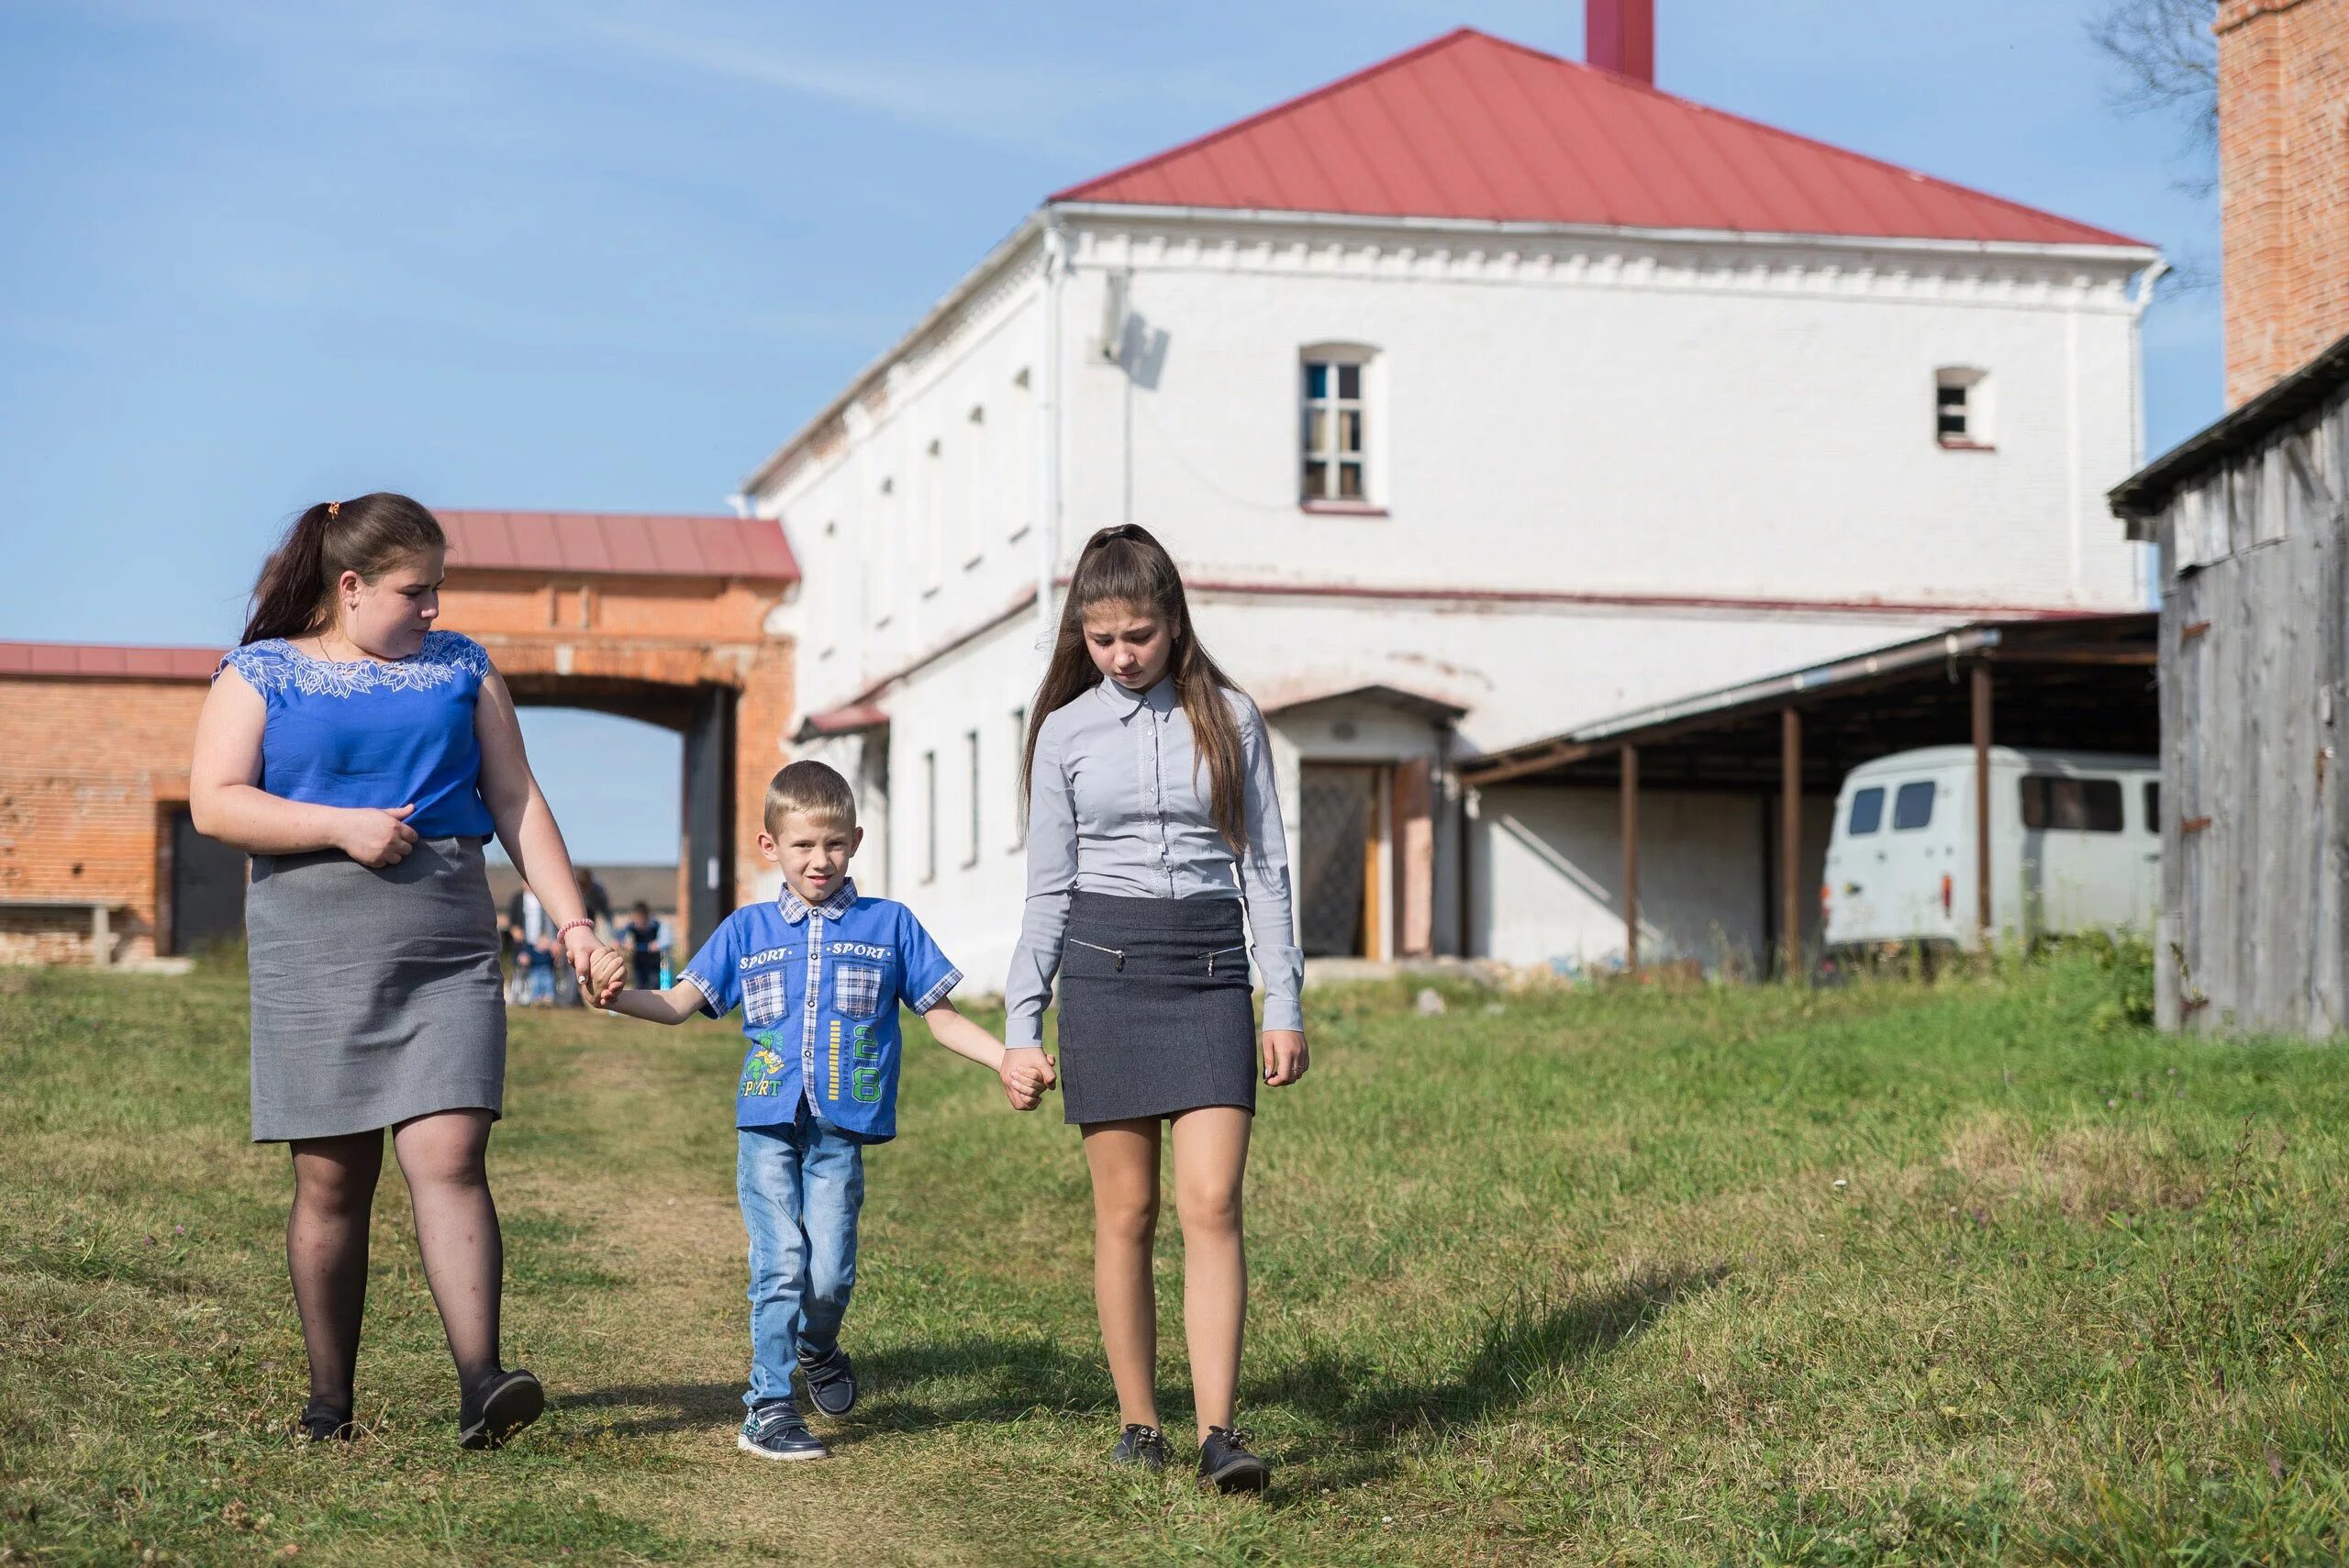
(1285, 1056)
(1027, 1073)
(606, 976)
(377, 839)
(602, 970)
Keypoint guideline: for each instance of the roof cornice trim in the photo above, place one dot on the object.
(1142, 213)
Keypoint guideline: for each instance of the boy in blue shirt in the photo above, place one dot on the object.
(819, 975)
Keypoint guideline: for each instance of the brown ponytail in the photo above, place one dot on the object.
(1124, 564)
(369, 536)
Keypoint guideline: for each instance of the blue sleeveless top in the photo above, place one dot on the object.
(368, 733)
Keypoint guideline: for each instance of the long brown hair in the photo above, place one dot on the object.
(1125, 565)
(370, 536)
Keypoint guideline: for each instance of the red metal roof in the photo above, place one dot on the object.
(99, 660)
(620, 543)
(1469, 126)
(841, 722)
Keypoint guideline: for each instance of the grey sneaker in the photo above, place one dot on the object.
(831, 1381)
(1138, 1444)
(774, 1430)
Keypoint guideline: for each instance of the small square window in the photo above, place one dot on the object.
(1962, 406)
(1912, 808)
(1868, 812)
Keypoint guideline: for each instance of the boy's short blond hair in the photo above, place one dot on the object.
(813, 788)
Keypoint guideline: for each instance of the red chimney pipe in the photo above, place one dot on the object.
(1620, 36)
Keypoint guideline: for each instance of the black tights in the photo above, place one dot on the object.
(456, 1230)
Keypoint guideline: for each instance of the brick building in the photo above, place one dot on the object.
(2283, 184)
(662, 620)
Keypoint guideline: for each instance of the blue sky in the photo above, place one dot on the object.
(262, 252)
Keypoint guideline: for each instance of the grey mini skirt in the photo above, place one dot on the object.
(375, 993)
(1156, 1013)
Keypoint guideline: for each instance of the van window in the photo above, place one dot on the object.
(1913, 806)
(1868, 812)
(2153, 806)
(2052, 802)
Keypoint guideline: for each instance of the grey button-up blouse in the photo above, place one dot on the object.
(1115, 807)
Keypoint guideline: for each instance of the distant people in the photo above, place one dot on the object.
(640, 939)
(817, 964)
(1153, 823)
(362, 759)
(533, 974)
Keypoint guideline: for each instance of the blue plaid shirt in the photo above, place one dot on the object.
(819, 986)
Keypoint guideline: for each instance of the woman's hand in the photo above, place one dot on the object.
(377, 838)
(1027, 1073)
(1285, 1056)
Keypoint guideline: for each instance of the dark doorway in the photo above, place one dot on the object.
(207, 888)
(1338, 885)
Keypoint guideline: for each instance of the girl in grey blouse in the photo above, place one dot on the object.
(1116, 804)
(1154, 822)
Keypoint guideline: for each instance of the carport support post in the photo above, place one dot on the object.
(1632, 860)
(1981, 676)
(1791, 842)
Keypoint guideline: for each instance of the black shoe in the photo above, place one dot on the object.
(324, 1422)
(1138, 1444)
(831, 1381)
(1225, 1464)
(774, 1430)
(497, 1406)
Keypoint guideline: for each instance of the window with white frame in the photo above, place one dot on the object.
(929, 816)
(1018, 754)
(1333, 434)
(933, 518)
(971, 750)
(1019, 455)
(1962, 406)
(970, 482)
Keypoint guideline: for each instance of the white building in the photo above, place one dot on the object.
(1480, 393)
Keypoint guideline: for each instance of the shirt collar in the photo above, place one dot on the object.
(796, 908)
(1125, 702)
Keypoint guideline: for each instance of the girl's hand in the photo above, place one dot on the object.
(377, 839)
(1285, 1056)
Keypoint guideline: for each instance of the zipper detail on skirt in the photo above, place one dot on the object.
(1218, 952)
(1117, 953)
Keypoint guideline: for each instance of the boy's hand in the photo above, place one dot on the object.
(1023, 1098)
(608, 973)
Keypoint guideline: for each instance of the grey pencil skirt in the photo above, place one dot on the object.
(375, 993)
(1155, 1015)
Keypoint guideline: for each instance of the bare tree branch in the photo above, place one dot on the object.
(2168, 63)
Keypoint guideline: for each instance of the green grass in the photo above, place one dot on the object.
(1969, 1273)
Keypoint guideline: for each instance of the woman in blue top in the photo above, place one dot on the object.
(362, 759)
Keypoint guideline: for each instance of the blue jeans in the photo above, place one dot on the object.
(800, 1186)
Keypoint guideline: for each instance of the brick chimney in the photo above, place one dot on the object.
(1620, 36)
(2283, 184)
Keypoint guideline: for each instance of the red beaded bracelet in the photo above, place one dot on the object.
(564, 929)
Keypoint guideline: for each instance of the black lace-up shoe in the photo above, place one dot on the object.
(831, 1381)
(1138, 1444)
(1225, 1464)
(496, 1406)
(324, 1422)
